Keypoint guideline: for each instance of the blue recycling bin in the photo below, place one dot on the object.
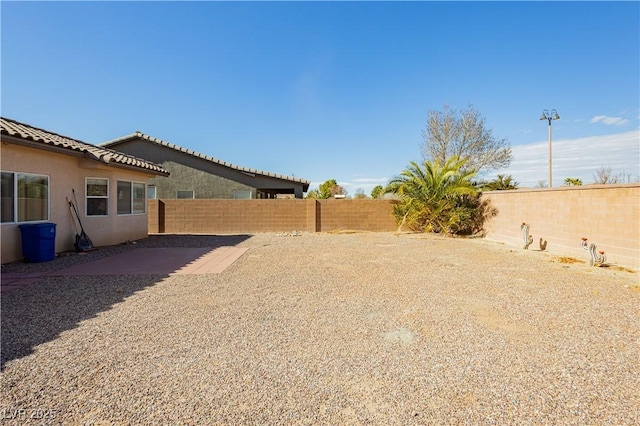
(38, 241)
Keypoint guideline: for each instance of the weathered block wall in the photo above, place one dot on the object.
(228, 216)
(155, 217)
(608, 215)
(231, 216)
(361, 215)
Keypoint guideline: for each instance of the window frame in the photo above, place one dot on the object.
(152, 192)
(237, 192)
(143, 191)
(15, 196)
(193, 194)
(132, 198)
(10, 198)
(94, 197)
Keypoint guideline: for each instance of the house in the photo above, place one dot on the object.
(195, 175)
(41, 170)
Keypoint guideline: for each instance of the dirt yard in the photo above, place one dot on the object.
(346, 328)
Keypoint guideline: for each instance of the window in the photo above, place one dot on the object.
(131, 197)
(124, 197)
(185, 194)
(139, 198)
(151, 192)
(8, 201)
(97, 197)
(25, 197)
(243, 195)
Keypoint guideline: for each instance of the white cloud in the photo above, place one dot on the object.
(575, 158)
(366, 184)
(609, 121)
(382, 180)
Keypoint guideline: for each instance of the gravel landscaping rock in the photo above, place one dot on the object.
(351, 328)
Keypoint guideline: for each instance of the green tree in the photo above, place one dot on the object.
(435, 198)
(328, 189)
(465, 135)
(572, 182)
(313, 194)
(500, 183)
(377, 191)
(325, 188)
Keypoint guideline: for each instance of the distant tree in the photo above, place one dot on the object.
(313, 194)
(500, 183)
(626, 177)
(325, 188)
(328, 189)
(377, 191)
(542, 183)
(337, 190)
(572, 182)
(359, 195)
(604, 176)
(465, 136)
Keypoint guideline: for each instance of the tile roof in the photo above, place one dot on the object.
(109, 156)
(136, 135)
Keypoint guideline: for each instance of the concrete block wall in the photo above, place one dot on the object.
(607, 215)
(227, 216)
(153, 216)
(231, 216)
(361, 215)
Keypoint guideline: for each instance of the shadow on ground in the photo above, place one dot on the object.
(40, 312)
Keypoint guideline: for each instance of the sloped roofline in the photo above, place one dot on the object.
(44, 139)
(246, 170)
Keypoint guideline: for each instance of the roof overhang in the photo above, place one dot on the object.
(244, 170)
(82, 154)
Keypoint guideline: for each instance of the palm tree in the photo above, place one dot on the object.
(430, 196)
(501, 182)
(572, 182)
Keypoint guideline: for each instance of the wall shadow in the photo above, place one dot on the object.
(318, 216)
(40, 312)
(161, 220)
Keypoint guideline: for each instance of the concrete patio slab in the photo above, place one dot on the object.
(160, 261)
(213, 262)
(12, 281)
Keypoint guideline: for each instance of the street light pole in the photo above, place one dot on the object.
(550, 116)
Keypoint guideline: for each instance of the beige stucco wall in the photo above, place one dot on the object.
(607, 215)
(67, 173)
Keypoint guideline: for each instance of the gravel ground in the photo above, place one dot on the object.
(361, 328)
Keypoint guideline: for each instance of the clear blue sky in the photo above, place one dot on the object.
(331, 89)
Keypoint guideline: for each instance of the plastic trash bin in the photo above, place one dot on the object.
(38, 241)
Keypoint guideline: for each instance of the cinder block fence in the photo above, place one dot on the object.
(241, 216)
(608, 215)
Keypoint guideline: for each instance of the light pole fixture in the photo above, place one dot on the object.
(549, 116)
